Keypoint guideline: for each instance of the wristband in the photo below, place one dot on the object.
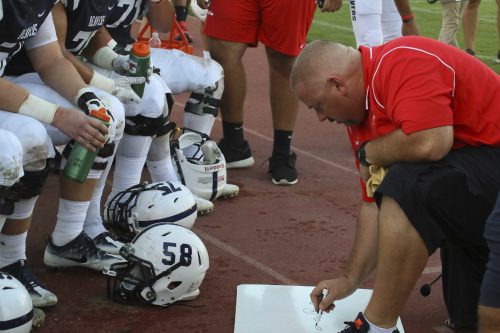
(104, 57)
(103, 82)
(154, 1)
(361, 154)
(407, 18)
(39, 109)
(112, 43)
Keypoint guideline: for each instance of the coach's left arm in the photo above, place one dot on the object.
(426, 145)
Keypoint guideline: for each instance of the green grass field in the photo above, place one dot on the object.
(337, 26)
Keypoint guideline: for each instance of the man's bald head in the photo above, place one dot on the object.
(319, 59)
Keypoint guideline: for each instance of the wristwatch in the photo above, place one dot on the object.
(361, 153)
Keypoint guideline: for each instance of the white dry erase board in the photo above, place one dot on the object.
(288, 309)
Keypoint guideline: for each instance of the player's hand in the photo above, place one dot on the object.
(85, 130)
(121, 64)
(338, 288)
(410, 29)
(331, 5)
(123, 90)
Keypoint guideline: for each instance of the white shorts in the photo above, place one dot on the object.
(183, 72)
(11, 158)
(375, 21)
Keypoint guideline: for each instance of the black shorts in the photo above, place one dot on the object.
(490, 288)
(447, 201)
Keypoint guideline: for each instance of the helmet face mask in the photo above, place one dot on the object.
(200, 164)
(166, 263)
(139, 206)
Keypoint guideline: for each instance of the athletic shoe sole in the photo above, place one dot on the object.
(38, 318)
(497, 60)
(241, 164)
(284, 182)
(229, 191)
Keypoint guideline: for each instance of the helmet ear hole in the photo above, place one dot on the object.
(173, 285)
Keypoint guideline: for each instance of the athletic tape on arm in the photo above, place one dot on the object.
(39, 109)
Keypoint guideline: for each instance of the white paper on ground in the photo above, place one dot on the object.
(288, 309)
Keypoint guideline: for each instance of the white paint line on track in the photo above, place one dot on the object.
(249, 260)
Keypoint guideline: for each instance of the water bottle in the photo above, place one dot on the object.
(80, 159)
(139, 65)
(155, 40)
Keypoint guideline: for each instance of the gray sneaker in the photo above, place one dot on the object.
(40, 295)
(80, 252)
(38, 317)
(108, 243)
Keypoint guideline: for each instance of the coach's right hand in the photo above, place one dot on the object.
(338, 288)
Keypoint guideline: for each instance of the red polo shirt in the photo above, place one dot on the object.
(417, 83)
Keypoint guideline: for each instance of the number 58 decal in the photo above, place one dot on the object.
(185, 250)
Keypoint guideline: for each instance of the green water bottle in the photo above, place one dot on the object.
(139, 65)
(80, 159)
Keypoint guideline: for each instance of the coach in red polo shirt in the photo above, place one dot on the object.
(430, 115)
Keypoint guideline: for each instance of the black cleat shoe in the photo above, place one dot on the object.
(40, 295)
(236, 157)
(497, 59)
(80, 252)
(282, 169)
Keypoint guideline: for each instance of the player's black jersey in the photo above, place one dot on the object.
(19, 20)
(85, 17)
(122, 17)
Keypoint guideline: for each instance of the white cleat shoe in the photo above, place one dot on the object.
(204, 206)
(108, 243)
(229, 191)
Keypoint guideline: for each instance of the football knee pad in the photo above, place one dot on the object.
(206, 102)
(28, 186)
(144, 126)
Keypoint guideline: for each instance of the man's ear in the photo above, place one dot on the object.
(334, 80)
(337, 82)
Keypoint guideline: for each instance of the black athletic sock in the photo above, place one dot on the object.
(233, 133)
(282, 142)
(180, 13)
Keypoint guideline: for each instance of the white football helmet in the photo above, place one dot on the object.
(142, 205)
(166, 263)
(200, 164)
(16, 309)
(198, 11)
